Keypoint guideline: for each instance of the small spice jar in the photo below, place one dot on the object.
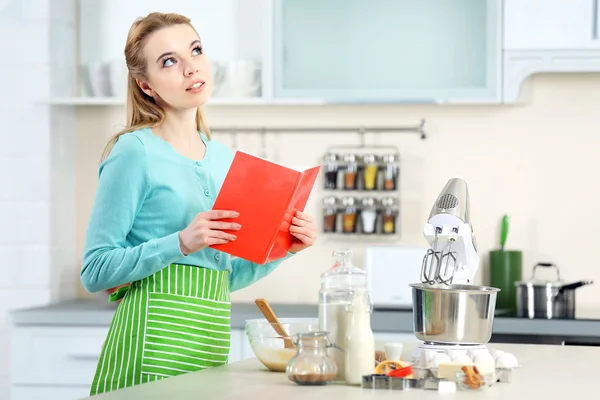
(368, 215)
(349, 214)
(370, 170)
(389, 215)
(389, 171)
(331, 168)
(330, 213)
(351, 171)
(312, 365)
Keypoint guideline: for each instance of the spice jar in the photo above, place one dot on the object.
(370, 171)
(368, 215)
(312, 365)
(330, 214)
(351, 171)
(349, 214)
(331, 168)
(389, 215)
(389, 171)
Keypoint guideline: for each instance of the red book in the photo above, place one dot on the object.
(267, 196)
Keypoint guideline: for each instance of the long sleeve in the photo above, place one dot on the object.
(109, 260)
(244, 273)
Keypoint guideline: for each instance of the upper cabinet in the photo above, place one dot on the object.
(551, 24)
(405, 51)
(548, 36)
(353, 51)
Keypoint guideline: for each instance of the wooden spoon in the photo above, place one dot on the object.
(266, 310)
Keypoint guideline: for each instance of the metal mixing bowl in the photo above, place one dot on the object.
(454, 314)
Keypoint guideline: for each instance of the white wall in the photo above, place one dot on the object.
(32, 161)
(535, 161)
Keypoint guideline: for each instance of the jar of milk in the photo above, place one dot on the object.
(337, 288)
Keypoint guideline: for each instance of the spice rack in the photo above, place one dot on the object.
(361, 185)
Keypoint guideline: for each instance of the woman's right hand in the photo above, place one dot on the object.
(206, 230)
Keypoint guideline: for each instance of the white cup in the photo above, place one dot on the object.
(393, 351)
(244, 78)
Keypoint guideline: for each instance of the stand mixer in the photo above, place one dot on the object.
(451, 315)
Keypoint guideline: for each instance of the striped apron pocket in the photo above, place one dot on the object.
(185, 334)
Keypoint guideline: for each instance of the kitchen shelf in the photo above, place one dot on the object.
(216, 101)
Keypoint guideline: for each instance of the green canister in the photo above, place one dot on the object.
(505, 270)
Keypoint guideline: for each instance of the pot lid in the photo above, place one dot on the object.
(541, 282)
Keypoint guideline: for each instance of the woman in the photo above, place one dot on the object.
(151, 224)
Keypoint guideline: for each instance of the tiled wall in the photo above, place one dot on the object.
(30, 155)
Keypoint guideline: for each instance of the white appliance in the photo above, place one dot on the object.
(390, 270)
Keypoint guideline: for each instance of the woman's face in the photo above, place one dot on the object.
(178, 73)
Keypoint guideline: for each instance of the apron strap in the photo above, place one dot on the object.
(118, 294)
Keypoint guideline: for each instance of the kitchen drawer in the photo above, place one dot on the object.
(48, 393)
(55, 355)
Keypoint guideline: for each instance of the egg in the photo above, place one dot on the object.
(507, 360)
(462, 358)
(484, 358)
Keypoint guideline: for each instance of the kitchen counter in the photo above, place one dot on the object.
(97, 313)
(547, 372)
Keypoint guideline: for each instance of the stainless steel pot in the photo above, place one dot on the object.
(548, 299)
(454, 314)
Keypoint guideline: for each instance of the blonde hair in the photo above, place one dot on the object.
(142, 110)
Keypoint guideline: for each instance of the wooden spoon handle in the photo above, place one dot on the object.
(266, 310)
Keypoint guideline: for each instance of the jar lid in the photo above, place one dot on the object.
(369, 158)
(388, 202)
(344, 274)
(330, 201)
(349, 158)
(369, 202)
(389, 158)
(348, 201)
(330, 157)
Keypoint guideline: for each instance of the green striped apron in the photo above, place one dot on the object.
(173, 322)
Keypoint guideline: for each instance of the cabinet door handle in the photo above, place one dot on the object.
(595, 19)
(84, 357)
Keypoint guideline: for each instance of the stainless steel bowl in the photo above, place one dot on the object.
(454, 314)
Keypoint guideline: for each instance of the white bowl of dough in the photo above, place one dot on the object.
(269, 347)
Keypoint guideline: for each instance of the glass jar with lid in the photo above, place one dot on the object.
(350, 172)
(337, 286)
(368, 215)
(331, 168)
(389, 215)
(330, 214)
(349, 214)
(389, 171)
(370, 169)
(313, 365)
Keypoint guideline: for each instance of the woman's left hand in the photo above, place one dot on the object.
(304, 231)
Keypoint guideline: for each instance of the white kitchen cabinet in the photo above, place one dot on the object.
(48, 393)
(551, 24)
(54, 362)
(548, 36)
(236, 348)
(375, 51)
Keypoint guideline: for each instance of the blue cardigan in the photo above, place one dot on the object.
(147, 193)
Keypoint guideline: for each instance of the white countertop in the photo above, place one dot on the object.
(546, 372)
